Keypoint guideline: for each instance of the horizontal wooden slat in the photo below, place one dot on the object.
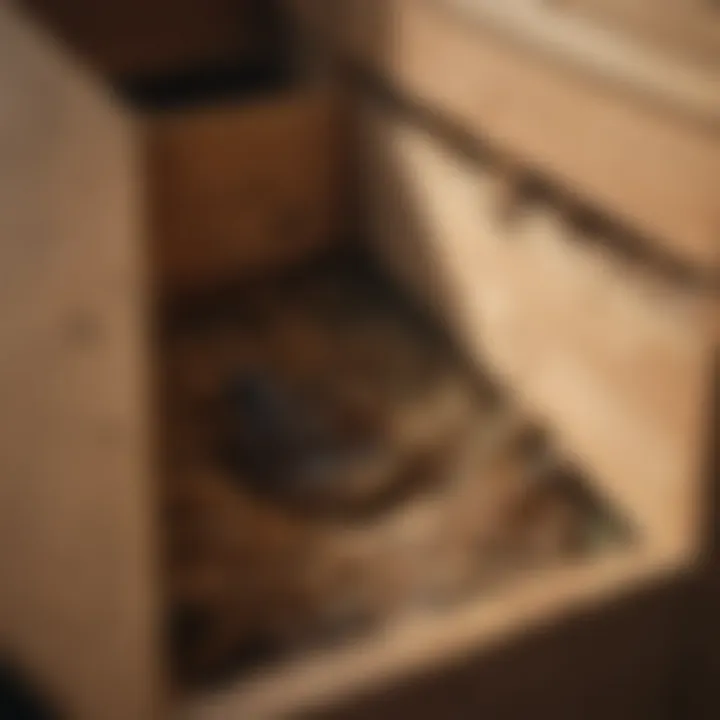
(334, 681)
(662, 78)
(134, 37)
(686, 28)
(237, 189)
(649, 166)
(614, 360)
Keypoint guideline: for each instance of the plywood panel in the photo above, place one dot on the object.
(238, 189)
(614, 359)
(686, 28)
(76, 606)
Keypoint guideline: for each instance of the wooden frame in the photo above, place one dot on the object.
(78, 601)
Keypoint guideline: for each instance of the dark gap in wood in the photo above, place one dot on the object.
(202, 86)
(697, 657)
(186, 87)
(21, 698)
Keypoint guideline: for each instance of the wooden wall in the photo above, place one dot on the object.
(687, 28)
(130, 37)
(76, 543)
(241, 189)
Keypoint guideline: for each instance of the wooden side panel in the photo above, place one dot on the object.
(653, 164)
(570, 608)
(76, 605)
(241, 189)
(686, 28)
(618, 663)
(617, 362)
(135, 37)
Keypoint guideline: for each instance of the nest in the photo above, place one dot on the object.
(331, 463)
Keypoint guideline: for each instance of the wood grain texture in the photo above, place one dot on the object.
(651, 168)
(235, 190)
(76, 606)
(606, 55)
(684, 28)
(615, 361)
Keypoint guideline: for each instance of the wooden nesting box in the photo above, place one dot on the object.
(547, 189)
